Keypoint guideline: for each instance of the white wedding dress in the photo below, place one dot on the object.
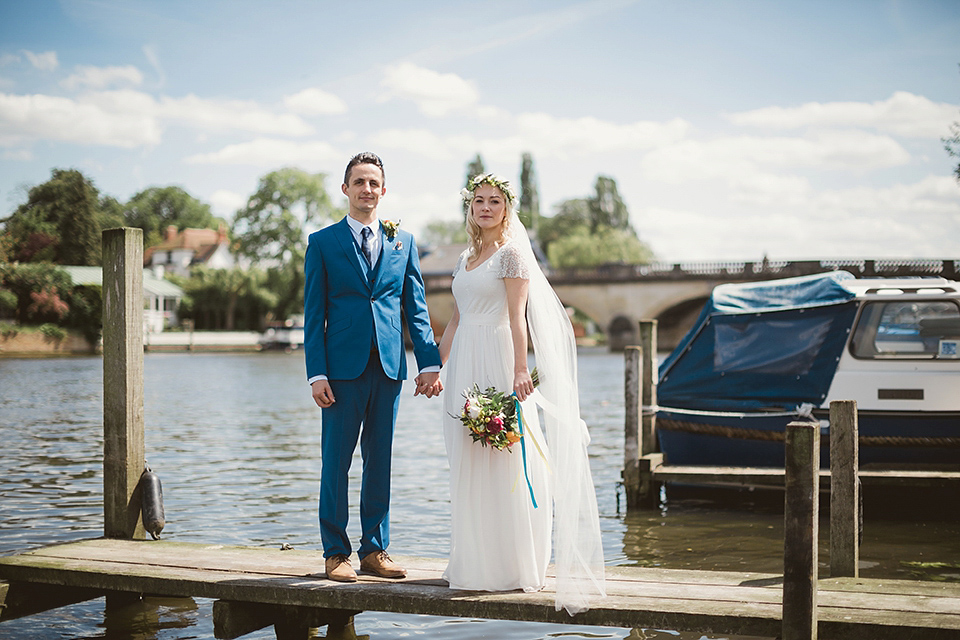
(499, 541)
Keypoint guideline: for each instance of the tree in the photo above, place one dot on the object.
(271, 230)
(585, 249)
(59, 222)
(952, 145)
(41, 291)
(529, 209)
(474, 168)
(227, 298)
(591, 231)
(157, 208)
(441, 232)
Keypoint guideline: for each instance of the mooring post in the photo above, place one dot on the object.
(801, 517)
(648, 342)
(122, 381)
(633, 406)
(844, 490)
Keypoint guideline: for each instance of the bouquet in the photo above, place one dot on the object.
(492, 416)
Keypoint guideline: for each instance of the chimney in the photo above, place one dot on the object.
(171, 232)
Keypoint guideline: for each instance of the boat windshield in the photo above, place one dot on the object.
(908, 329)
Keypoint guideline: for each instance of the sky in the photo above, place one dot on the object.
(735, 129)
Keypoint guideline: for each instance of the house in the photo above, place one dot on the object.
(181, 250)
(160, 297)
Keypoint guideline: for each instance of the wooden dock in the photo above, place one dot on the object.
(256, 587)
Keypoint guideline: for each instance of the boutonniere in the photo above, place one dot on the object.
(390, 228)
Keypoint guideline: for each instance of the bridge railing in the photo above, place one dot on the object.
(732, 270)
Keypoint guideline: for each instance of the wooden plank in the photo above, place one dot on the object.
(18, 599)
(773, 477)
(631, 424)
(707, 602)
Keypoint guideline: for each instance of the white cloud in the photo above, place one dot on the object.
(591, 135)
(425, 143)
(315, 102)
(97, 78)
(903, 114)
(220, 115)
(46, 61)
(271, 152)
(735, 158)
(436, 94)
(8, 58)
(24, 118)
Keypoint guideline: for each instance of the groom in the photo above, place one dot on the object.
(362, 279)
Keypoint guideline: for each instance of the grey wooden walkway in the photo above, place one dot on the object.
(254, 586)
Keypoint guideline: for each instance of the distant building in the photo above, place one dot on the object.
(181, 250)
(160, 297)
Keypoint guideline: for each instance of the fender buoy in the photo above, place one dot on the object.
(151, 503)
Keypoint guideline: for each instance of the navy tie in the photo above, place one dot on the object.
(366, 245)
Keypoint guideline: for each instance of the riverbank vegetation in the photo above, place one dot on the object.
(62, 220)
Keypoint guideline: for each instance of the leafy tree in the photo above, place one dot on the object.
(585, 249)
(952, 145)
(41, 290)
(271, 230)
(529, 209)
(59, 222)
(591, 231)
(227, 298)
(441, 232)
(474, 168)
(157, 208)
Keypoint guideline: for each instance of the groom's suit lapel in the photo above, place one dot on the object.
(351, 251)
(389, 254)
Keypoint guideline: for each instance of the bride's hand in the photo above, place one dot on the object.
(522, 384)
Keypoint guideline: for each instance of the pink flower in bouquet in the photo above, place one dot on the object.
(495, 424)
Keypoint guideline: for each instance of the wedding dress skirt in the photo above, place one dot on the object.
(499, 541)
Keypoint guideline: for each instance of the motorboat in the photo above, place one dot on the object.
(763, 354)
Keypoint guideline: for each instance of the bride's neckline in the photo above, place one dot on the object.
(484, 261)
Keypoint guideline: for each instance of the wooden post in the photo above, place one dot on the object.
(801, 516)
(648, 433)
(122, 381)
(844, 490)
(631, 425)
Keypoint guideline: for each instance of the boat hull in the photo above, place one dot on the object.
(756, 440)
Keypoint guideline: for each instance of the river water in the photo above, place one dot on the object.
(235, 439)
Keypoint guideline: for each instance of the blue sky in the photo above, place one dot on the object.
(734, 129)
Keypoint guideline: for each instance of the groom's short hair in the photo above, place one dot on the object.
(365, 157)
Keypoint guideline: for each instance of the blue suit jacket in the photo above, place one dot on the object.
(347, 310)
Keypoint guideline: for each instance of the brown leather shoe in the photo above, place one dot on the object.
(379, 563)
(339, 568)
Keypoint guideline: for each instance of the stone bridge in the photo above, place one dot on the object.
(616, 297)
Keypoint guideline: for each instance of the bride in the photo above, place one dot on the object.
(505, 502)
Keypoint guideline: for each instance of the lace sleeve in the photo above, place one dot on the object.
(459, 266)
(512, 264)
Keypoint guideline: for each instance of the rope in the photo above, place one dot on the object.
(740, 433)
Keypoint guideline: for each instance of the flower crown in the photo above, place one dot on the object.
(490, 179)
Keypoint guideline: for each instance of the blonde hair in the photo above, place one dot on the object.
(474, 232)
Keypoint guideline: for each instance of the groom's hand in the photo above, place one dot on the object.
(322, 393)
(428, 384)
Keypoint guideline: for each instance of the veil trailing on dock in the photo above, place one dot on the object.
(578, 549)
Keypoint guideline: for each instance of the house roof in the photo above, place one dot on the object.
(203, 243)
(152, 285)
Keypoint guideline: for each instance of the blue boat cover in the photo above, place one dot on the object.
(761, 345)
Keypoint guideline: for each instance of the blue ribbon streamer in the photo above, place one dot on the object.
(523, 448)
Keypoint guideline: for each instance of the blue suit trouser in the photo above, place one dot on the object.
(371, 401)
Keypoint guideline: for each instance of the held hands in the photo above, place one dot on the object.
(522, 384)
(322, 393)
(428, 384)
